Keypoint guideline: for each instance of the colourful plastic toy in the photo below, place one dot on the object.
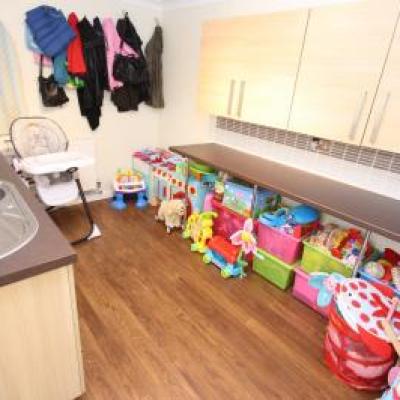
(127, 182)
(198, 188)
(199, 228)
(164, 173)
(228, 256)
(225, 256)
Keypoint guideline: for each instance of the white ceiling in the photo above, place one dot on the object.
(164, 4)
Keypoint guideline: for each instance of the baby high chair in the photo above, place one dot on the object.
(41, 148)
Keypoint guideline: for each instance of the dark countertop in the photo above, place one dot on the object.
(46, 251)
(366, 209)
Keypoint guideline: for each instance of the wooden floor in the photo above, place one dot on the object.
(156, 323)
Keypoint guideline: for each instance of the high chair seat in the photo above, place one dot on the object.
(57, 194)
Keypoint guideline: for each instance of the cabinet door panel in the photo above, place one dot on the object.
(384, 124)
(271, 55)
(219, 67)
(343, 57)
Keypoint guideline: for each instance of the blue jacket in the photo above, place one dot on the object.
(49, 29)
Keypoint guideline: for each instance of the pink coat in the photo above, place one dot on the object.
(113, 46)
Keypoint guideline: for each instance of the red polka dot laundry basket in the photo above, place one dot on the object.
(351, 360)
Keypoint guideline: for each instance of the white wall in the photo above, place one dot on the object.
(118, 133)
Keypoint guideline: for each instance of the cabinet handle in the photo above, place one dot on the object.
(241, 96)
(378, 122)
(356, 121)
(230, 98)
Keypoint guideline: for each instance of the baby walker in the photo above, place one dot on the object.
(128, 182)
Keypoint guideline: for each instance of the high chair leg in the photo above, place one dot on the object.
(93, 229)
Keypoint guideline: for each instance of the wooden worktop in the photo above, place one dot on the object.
(364, 208)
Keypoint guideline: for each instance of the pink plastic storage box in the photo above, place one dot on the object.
(228, 222)
(279, 244)
(306, 293)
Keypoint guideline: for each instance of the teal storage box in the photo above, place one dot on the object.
(274, 270)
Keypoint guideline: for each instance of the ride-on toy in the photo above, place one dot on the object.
(225, 256)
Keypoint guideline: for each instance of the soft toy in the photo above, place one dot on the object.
(171, 212)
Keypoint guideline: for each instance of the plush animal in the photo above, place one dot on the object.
(171, 212)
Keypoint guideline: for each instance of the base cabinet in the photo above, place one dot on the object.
(40, 351)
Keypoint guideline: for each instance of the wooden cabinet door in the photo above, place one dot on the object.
(271, 53)
(219, 67)
(343, 57)
(383, 129)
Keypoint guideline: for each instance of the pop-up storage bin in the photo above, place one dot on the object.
(349, 358)
(280, 244)
(316, 260)
(306, 293)
(273, 269)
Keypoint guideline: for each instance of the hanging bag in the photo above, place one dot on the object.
(129, 69)
(52, 95)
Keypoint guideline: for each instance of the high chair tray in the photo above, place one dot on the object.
(55, 162)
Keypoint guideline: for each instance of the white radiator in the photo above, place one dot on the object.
(87, 175)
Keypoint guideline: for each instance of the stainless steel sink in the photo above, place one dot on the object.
(18, 225)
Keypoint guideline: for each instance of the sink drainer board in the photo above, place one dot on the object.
(18, 225)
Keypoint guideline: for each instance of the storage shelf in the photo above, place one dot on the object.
(366, 209)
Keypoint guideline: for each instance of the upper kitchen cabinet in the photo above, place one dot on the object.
(343, 57)
(220, 67)
(249, 64)
(271, 53)
(383, 127)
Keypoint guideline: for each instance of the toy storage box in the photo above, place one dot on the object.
(280, 244)
(239, 198)
(364, 275)
(316, 260)
(227, 222)
(306, 293)
(273, 269)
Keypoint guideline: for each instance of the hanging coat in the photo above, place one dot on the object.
(90, 96)
(49, 29)
(101, 54)
(114, 45)
(75, 60)
(153, 52)
(128, 34)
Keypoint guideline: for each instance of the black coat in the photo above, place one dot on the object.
(90, 97)
(129, 35)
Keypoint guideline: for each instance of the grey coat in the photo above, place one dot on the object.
(153, 53)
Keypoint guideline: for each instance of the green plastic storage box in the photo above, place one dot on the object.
(316, 260)
(274, 270)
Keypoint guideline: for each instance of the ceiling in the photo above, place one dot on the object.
(164, 4)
